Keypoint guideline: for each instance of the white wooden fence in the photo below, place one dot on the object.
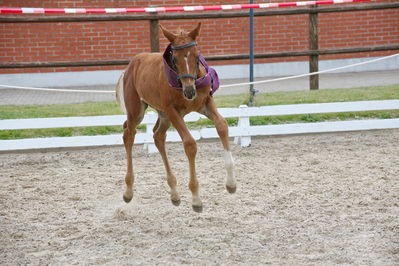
(242, 132)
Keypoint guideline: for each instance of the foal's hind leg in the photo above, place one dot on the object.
(223, 131)
(160, 129)
(129, 132)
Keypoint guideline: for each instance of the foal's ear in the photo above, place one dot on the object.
(169, 35)
(194, 33)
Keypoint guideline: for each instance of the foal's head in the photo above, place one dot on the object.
(186, 58)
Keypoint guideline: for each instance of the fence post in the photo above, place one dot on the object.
(149, 145)
(313, 45)
(243, 124)
(154, 34)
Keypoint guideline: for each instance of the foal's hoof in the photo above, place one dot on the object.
(197, 208)
(176, 202)
(231, 189)
(127, 199)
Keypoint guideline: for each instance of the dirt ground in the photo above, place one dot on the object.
(311, 199)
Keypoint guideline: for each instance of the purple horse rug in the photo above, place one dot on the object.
(211, 78)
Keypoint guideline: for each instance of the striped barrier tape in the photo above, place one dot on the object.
(32, 10)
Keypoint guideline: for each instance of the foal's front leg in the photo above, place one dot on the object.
(190, 148)
(222, 128)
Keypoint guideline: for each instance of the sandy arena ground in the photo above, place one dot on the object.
(312, 199)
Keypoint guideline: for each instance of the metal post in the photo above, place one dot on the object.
(313, 45)
(251, 56)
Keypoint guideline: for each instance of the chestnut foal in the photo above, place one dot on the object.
(146, 82)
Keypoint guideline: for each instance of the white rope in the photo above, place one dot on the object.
(55, 90)
(222, 86)
(309, 74)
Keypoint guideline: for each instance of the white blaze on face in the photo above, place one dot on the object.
(186, 60)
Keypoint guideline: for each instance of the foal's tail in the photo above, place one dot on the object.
(119, 93)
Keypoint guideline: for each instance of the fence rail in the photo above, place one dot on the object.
(208, 58)
(242, 132)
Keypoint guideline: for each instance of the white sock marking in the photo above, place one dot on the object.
(229, 163)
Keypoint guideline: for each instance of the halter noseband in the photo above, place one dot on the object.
(180, 47)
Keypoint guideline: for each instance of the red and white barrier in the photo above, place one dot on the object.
(31, 10)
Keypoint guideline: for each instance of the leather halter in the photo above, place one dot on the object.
(180, 47)
(210, 79)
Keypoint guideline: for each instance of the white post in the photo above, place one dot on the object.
(149, 145)
(243, 124)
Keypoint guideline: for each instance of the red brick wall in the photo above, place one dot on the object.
(77, 41)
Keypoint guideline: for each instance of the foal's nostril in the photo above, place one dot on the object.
(189, 92)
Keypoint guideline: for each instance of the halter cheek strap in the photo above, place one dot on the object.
(189, 75)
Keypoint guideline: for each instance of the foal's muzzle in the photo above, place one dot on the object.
(189, 92)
